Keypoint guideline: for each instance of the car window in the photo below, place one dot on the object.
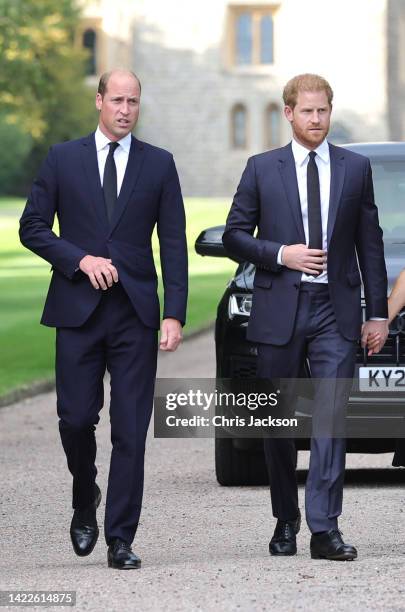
(389, 190)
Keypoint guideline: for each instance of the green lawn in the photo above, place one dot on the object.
(27, 348)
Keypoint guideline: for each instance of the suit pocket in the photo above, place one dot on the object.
(353, 278)
(351, 197)
(261, 280)
(142, 194)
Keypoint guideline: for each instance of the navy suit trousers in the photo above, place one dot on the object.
(115, 339)
(331, 357)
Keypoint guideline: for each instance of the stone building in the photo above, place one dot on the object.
(396, 69)
(212, 73)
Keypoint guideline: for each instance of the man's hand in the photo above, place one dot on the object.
(171, 334)
(374, 335)
(300, 257)
(101, 272)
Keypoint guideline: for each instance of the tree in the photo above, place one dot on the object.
(42, 70)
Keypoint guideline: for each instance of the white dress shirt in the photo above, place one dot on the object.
(120, 155)
(322, 160)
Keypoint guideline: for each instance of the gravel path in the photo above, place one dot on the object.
(203, 547)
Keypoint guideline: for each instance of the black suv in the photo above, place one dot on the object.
(240, 461)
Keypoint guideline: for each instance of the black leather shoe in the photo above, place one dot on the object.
(84, 529)
(121, 556)
(283, 542)
(330, 545)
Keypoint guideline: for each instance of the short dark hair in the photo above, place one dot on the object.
(105, 77)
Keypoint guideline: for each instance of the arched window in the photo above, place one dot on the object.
(244, 39)
(266, 39)
(272, 126)
(89, 43)
(239, 126)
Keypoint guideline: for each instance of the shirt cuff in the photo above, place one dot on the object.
(279, 255)
(377, 319)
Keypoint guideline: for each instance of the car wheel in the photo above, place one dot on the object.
(236, 467)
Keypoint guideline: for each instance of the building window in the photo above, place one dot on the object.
(266, 39)
(272, 126)
(252, 35)
(239, 126)
(89, 43)
(244, 41)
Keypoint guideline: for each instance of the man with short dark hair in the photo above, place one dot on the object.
(109, 191)
(313, 205)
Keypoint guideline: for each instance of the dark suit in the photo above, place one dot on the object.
(291, 320)
(114, 329)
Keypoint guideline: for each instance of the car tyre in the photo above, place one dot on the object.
(235, 467)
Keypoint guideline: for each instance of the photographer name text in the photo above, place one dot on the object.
(223, 421)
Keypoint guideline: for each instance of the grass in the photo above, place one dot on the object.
(27, 348)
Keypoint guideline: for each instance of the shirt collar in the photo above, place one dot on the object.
(301, 153)
(102, 141)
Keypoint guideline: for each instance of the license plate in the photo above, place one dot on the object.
(382, 379)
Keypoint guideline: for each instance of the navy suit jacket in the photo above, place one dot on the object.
(68, 185)
(267, 198)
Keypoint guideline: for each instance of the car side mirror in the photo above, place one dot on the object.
(209, 243)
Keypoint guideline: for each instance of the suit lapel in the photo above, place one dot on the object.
(135, 161)
(289, 178)
(90, 163)
(337, 177)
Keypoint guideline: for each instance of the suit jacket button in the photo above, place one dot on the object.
(109, 240)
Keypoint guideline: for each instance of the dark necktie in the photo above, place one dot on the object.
(314, 204)
(110, 180)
